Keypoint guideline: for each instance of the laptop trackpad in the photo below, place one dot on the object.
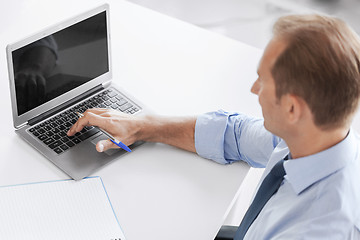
(104, 137)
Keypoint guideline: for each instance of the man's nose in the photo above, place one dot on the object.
(255, 88)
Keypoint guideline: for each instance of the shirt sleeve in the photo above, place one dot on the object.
(228, 137)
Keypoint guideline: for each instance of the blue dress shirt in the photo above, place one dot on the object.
(320, 195)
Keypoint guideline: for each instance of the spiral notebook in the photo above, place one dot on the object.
(58, 210)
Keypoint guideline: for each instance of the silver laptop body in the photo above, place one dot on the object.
(60, 70)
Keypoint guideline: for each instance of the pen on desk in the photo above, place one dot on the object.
(112, 139)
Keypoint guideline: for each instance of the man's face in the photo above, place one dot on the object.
(264, 87)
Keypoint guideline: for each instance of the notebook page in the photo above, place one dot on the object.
(58, 210)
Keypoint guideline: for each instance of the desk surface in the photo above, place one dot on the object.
(158, 192)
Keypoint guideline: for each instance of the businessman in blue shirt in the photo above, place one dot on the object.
(309, 89)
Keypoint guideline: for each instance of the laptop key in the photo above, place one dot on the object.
(76, 140)
(36, 134)
(41, 131)
(65, 139)
(121, 101)
(55, 144)
(49, 134)
(59, 121)
(88, 134)
(70, 144)
(58, 150)
(62, 134)
(88, 127)
(56, 137)
(64, 147)
(112, 94)
(49, 141)
(125, 106)
(42, 137)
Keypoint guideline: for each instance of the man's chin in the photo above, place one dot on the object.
(267, 127)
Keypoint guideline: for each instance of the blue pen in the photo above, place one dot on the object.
(112, 139)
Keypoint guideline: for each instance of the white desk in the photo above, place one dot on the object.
(158, 192)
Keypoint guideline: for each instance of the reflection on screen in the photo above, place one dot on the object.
(60, 62)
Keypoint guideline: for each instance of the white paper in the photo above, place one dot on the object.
(58, 210)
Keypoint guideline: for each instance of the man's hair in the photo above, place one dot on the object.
(321, 65)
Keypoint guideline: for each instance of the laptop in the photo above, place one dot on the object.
(57, 72)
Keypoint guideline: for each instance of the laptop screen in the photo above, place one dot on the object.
(60, 62)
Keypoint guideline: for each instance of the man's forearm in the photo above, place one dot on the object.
(175, 131)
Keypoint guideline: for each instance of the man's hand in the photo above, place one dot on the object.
(175, 131)
(123, 127)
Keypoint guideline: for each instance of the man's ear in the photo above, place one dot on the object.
(293, 107)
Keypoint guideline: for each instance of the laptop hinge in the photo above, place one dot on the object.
(65, 105)
(106, 84)
(21, 125)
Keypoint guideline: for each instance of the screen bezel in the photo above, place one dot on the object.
(20, 120)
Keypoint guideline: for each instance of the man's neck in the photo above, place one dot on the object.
(312, 141)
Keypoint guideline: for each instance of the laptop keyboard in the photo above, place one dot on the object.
(52, 132)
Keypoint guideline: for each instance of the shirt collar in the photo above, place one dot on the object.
(305, 171)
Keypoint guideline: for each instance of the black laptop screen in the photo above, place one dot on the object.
(60, 62)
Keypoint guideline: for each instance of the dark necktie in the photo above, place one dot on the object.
(268, 187)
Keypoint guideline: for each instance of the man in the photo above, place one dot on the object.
(309, 90)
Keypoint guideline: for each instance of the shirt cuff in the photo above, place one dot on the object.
(209, 135)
